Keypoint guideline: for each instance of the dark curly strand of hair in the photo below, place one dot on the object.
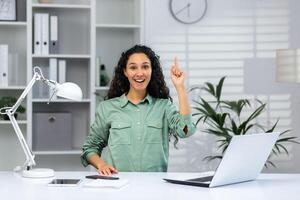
(157, 87)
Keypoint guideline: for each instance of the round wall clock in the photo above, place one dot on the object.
(188, 11)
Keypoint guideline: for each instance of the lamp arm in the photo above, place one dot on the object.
(10, 113)
(29, 155)
(14, 108)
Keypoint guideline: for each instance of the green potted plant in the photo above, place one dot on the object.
(224, 120)
(9, 101)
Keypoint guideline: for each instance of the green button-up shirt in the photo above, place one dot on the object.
(136, 136)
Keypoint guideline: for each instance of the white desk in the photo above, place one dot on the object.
(149, 186)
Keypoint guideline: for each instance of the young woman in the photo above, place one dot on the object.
(136, 121)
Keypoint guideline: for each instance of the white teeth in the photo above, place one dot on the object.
(139, 81)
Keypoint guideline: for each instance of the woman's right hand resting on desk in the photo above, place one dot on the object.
(101, 166)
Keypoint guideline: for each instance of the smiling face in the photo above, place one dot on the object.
(138, 71)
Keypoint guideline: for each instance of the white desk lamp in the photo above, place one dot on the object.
(66, 90)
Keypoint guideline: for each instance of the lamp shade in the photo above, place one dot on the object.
(69, 90)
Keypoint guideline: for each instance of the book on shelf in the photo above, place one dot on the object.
(3, 65)
(13, 63)
(45, 34)
(97, 71)
(52, 74)
(53, 44)
(62, 69)
(37, 33)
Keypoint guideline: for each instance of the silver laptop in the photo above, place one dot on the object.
(243, 161)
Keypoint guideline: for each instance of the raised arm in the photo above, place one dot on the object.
(177, 77)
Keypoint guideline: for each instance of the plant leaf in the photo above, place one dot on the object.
(210, 158)
(219, 88)
(273, 127)
(269, 163)
(209, 88)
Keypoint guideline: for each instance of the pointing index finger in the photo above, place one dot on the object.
(176, 62)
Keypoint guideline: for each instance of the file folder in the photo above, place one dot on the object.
(53, 45)
(37, 34)
(62, 71)
(4, 65)
(52, 74)
(45, 34)
(97, 71)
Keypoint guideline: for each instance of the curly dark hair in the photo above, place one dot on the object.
(157, 87)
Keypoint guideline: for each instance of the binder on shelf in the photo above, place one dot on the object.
(97, 71)
(62, 67)
(3, 65)
(37, 33)
(13, 63)
(53, 46)
(52, 74)
(45, 34)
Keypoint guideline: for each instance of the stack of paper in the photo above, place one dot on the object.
(100, 183)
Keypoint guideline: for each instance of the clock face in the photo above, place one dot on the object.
(188, 11)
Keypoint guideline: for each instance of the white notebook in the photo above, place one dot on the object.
(100, 183)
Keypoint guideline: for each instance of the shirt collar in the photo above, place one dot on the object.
(149, 98)
(124, 100)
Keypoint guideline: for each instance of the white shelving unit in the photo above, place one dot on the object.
(71, 152)
(114, 33)
(64, 6)
(74, 46)
(88, 29)
(20, 122)
(13, 23)
(13, 88)
(60, 101)
(78, 56)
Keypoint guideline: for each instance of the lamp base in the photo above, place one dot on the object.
(38, 173)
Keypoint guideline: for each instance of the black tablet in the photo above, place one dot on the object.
(102, 177)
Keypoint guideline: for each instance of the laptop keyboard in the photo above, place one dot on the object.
(202, 179)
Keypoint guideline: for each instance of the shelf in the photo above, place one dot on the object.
(13, 23)
(75, 56)
(117, 26)
(63, 152)
(13, 88)
(60, 101)
(8, 122)
(68, 6)
(102, 88)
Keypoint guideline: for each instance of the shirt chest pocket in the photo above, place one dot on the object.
(154, 132)
(119, 133)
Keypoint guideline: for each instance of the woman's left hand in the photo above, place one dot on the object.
(177, 75)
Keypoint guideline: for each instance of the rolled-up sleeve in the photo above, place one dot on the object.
(178, 123)
(97, 138)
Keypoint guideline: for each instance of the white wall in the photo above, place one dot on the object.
(236, 38)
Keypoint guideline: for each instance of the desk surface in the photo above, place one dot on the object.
(150, 186)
